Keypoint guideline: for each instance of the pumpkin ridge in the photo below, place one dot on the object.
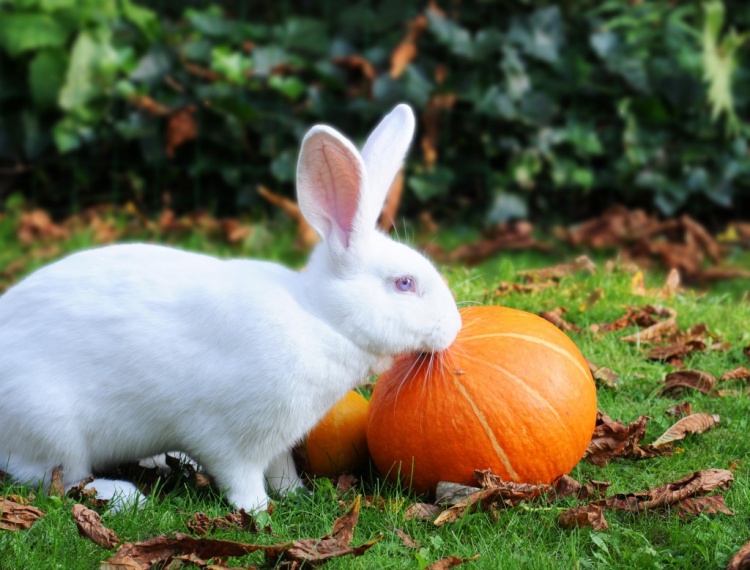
(488, 430)
(536, 340)
(525, 386)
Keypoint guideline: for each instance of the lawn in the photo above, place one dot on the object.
(527, 536)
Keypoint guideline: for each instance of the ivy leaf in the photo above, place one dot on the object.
(46, 76)
(449, 33)
(541, 34)
(20, 33)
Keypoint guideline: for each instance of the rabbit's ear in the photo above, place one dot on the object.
(330, 179)
(383, 155)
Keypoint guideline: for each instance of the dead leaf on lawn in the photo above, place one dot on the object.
(555, 317)
(643, 317)
(656, 333)
(181, 129)
(448, 493)
(450, 562)
(557, 272)
(681, 381)
(201, 524)
(421, 512)
(594, 297)
(56, 487)
(90, 526)
(687, 496)
(603, 375)
(37, 225)
(694, 423)
(313, 551)
(611, 440)
(739, 373)
(566, 486)
(507, 236)
(588, 515)
(495, 492)
(741, 559)
(679, 410)
(15, 516)
(345, 483)
(406, 540)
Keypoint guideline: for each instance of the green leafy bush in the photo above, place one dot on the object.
(543, 109)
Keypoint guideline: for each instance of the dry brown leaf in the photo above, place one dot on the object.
(655, 333)
(235, 231)
(594, 297)
(56, 486)
(181, 129)
(450, 562)
(603, 375)
(306, 235)
(557, 272)
(421, 512)
(739, 373)
(495, 492)
(448, 493)
(15, 516)
(679, 410)
(634, 316)
(406, 540)
(508, 236)
(588, 515)
(361, 74)
(150, 106)
(694, 423)
(311, 551)
(555, 317)
(672, 283)
(432, 113)
(201, 524)
(611, 440)
(37, 225)
(710, 505)
(89, 525)
(405, 52)
(697, 484)
(677, 383)
(741, 559)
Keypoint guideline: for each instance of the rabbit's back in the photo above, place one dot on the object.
(131, 350)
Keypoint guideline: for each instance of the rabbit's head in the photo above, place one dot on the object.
(383, 295)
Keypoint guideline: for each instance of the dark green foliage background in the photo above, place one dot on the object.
(562, 108)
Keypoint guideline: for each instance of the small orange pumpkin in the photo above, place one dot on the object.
(338, 443)
(513, 393)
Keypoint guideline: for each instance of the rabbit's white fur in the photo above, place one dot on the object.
(128, 351)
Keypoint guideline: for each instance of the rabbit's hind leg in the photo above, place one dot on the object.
(281, 474)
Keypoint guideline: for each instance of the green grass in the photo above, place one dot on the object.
(524, 537)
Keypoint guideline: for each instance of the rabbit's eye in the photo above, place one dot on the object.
(406, 284)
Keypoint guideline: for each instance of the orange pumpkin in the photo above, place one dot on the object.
(513, 393)
(338, 443)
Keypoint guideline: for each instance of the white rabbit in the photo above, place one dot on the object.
(127, 351)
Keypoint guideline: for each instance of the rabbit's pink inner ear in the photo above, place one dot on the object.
(331, 177)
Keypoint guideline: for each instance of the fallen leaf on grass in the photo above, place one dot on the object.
(656, 333)
(448, 493)
(15, 516)
(143, 555)
(694, 423)
(557, 272)
(739, 373)
(635, 316)
(406, 540)
(495, 492)
(421, 512)
(555, 317)
(89, 525)
(508, 236)
(603, 375)
(56, 487)
(587, 515)
(741, 559)
(687, 496)
(566, 486)
(677, 383)
(201, 524)
(679, 410)
(191, 560)
(450, 562)
(611, 439)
